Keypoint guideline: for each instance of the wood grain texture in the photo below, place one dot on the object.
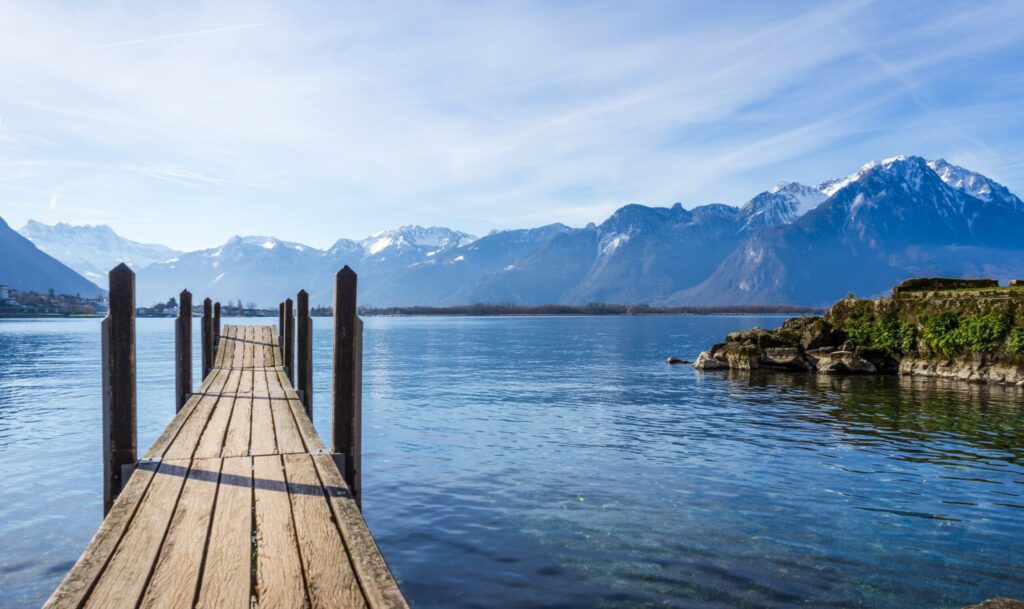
(227, 580)
(205, 524)
(129, 568)
(374, 575)
(178, 568)
(279, 578)
(330, 581)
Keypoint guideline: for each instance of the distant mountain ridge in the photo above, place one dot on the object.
(26, 267)
(93, 250)
(792, 244)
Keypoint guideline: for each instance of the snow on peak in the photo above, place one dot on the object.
(416, 236)
(974, 184)
(783, 204)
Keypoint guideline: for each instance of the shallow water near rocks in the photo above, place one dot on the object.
(559, 462)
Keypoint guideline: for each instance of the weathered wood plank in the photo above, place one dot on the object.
(226, 579)
(179, 566)
(279, 577)
(309, 436)
(331, 582)
(289, 440)
(211, 442)
(129, 568)
(211, 384)
(184, 444)
(236, 443)
(78, 582)
(374, 576)
(264, 441)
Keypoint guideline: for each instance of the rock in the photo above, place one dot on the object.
(817, 334)
(844, 362)
(998, 603)
(813, 355)
(785, 357)
(706, 362)
(744, 358)
(676, 360)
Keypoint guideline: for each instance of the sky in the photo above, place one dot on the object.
(185, 123)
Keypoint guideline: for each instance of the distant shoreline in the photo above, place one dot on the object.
(587, 310)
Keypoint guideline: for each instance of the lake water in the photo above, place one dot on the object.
(559, 462)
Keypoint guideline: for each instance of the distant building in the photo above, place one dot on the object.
(5, 292)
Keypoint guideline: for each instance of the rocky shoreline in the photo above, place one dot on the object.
(970, 330)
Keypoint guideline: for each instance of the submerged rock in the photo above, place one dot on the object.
(706, 362)
(676, 360)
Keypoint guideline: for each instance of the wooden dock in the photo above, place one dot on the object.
(238, 504)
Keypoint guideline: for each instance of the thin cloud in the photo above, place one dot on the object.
(218, 30)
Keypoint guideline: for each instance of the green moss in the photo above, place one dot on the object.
(948, 333)
(886, 333)
(1016, 340)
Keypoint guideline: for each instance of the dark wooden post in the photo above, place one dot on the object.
(280, 327)
(207, 337)
(289, 340)
(216, 324)
(119, 421)
(304, 350)
(183, 350)
(347, 390)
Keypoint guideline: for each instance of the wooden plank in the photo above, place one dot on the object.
(261, 339)
(184, 445)
(374, 576)
(331, 582)
(263, 439)
(309, 436)
(279, 579)
(226, 579)
(179, 566)
(211, 442)
(247, 348)
(129, 568)
(289, 440)
(238, 353)
(211, 384)
(78, 582)
(236, 443)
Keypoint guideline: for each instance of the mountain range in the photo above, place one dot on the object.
(792, 244)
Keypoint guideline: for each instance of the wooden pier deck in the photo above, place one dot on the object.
(238, 504)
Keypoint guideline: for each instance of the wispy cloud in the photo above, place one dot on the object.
(342, 119)
(217, 30)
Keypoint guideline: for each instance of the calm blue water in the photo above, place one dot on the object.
(558, 462)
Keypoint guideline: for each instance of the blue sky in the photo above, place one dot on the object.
(185, 123)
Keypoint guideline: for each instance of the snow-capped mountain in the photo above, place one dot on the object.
(794, 243)
(93, 250)
(25, 267)
(893, 219)
(781, 205)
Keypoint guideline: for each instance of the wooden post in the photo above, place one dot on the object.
(216, 324)
(304, 367)
(207, 337)
(183, 350)
(289, 340)
(119, 422)
(280, 327)
(346, 427)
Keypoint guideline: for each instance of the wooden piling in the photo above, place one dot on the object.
(280, 326)
(119, 417)
(216, 324)
(304, 350)
(207, 337)
(289, 340)
(346, 427)
(183, 351)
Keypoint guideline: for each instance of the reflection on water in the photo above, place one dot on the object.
(542, 462)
